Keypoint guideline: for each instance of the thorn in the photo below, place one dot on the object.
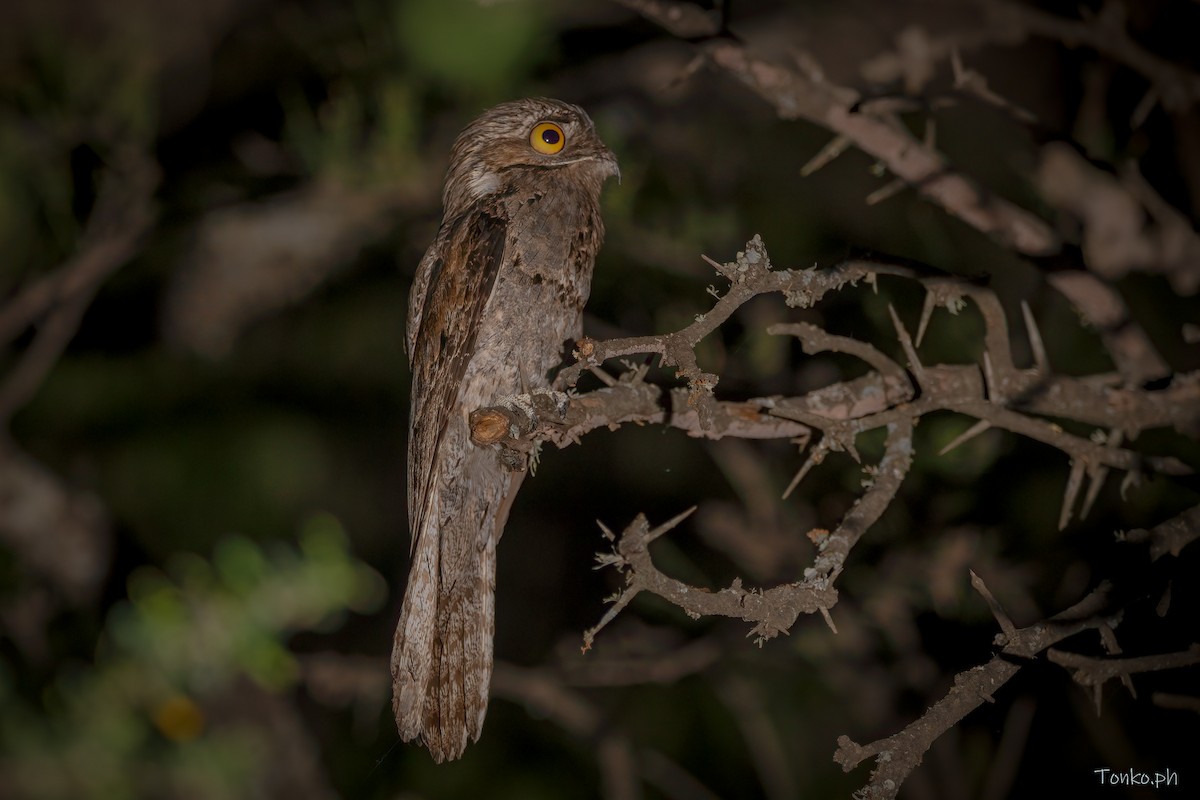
(1035, 340)
(1108, 638)
(1074, 482)
(690, 69)
(852, 450)
(589, 635)
(807, 64)
(970, 433)
(1143, 108)
(721, 268)
(828, 620)
(815, 456)
(604, 530)
(1164, 602)
(605, 378)
(956, 66)
(890, 189)
(832, 149)
(910, 352)
(1131, 479)
(1097, 477)
(1002, 619)
(926, 315)
(1115, 437)
(989, 380)
(669, 524)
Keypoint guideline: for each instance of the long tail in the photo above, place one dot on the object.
(442, 651)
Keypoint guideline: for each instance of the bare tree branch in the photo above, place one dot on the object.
(998, 393)
(1089, 671)
(773, 610)
(897, 755)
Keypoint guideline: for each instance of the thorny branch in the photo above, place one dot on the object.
(996, 392)
(898, 755)
(1089, 671)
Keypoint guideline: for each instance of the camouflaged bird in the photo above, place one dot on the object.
(496, 299)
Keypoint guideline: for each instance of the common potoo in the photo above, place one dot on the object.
(497, 296)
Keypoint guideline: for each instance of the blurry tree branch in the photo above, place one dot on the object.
(1126, 225)
(544, 696)
(55, 303)
(1105, 33)
(1170, 245)
(61, 535)
(804, 93)
(254, 259)
(336, 680)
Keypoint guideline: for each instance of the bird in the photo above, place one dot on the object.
(495, 302)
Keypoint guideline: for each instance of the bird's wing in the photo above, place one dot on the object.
(459, 272)
(427, 271)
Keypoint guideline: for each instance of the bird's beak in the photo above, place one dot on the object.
(609, 162)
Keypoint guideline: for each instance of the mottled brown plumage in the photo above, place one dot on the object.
(497, 296)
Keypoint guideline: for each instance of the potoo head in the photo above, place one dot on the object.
(511, 139)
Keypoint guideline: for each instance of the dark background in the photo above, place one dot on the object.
(219, 451)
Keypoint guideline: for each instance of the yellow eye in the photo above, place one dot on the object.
(547, 138)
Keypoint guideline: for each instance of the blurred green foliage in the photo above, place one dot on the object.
(135, 721)
(477, 50)
(363, 137)
(60, 102)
